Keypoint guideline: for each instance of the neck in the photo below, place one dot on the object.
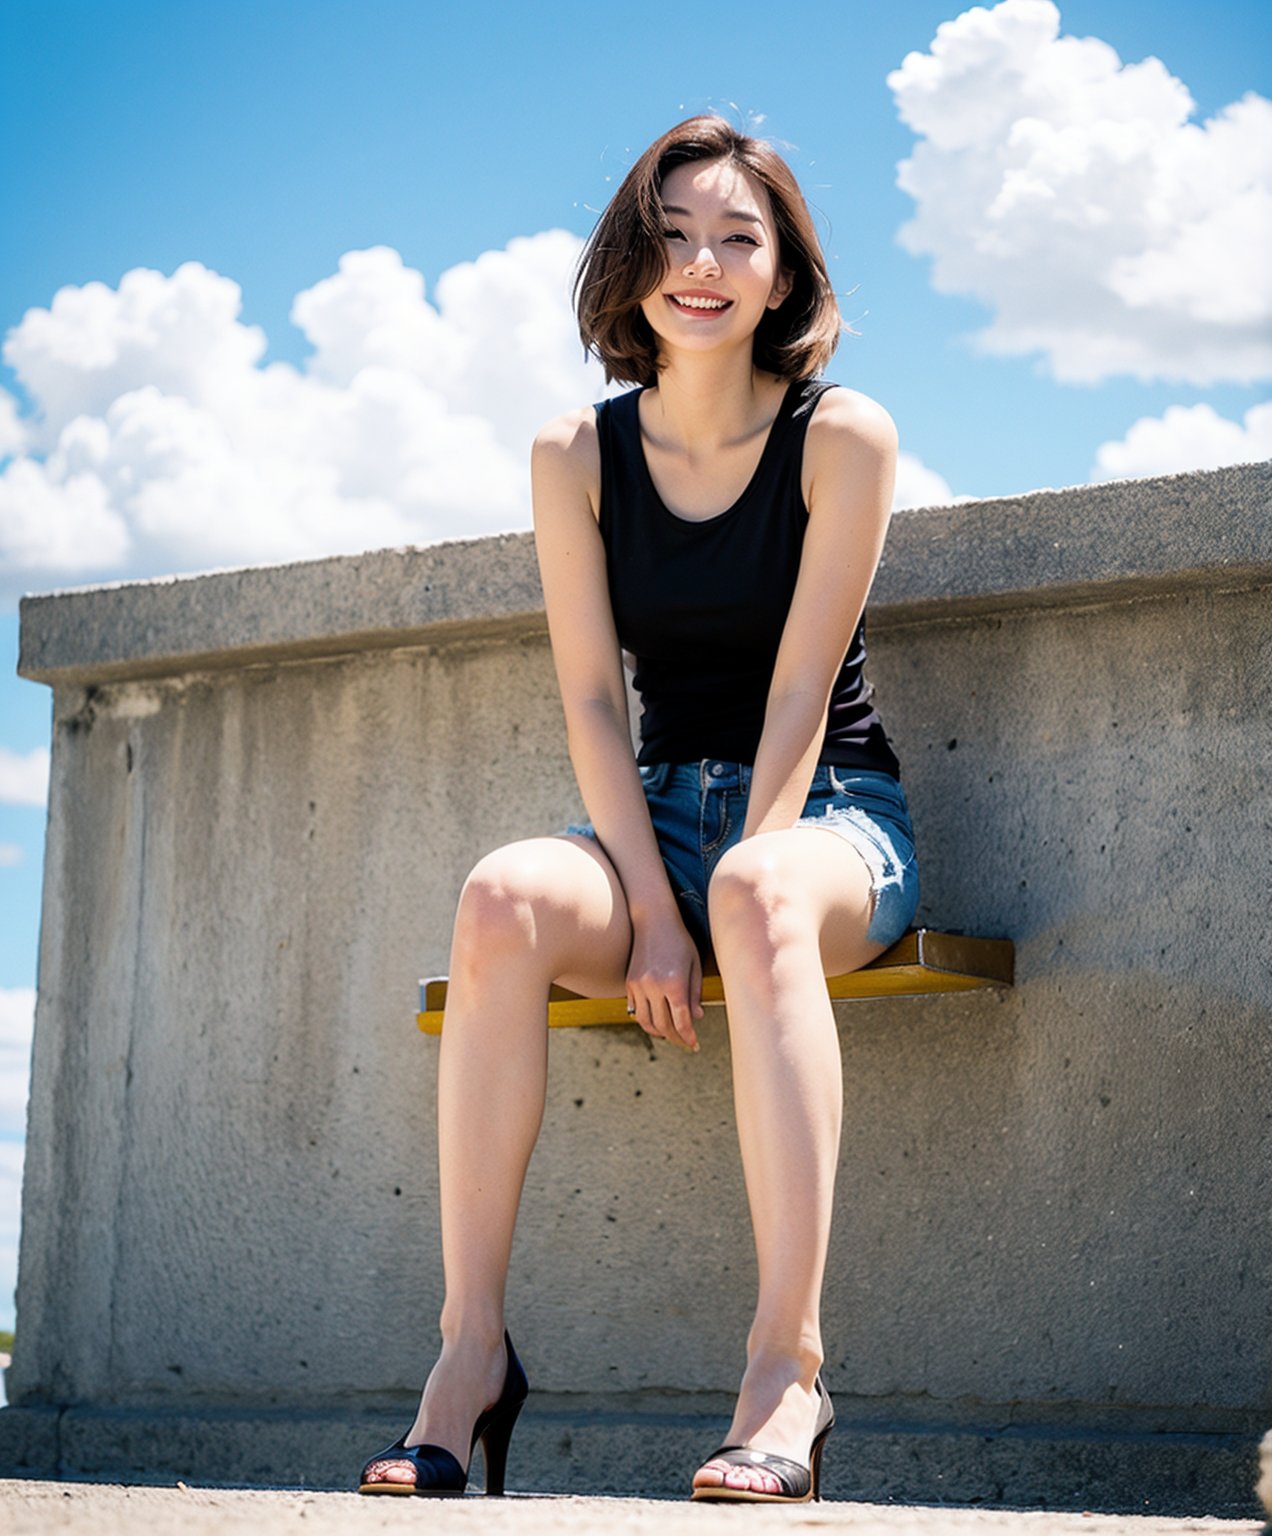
(709, 401)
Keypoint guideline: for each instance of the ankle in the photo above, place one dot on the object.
(789, 1359)
(471, 1330)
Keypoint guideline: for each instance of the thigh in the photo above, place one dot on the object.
(843, 888)
(597, 966)
(868, 811)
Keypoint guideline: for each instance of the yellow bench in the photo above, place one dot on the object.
(923, 961)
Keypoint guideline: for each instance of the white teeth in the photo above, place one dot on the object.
(692, 303)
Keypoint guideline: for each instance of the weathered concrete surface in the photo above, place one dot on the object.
(1048, 1278)
(88, 1509)
(461, 589)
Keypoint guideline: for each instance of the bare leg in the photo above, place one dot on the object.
(786, 909)
(528, 914)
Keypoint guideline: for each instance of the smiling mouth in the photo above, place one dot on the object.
(699, 306)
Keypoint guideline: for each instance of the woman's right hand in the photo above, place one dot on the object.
(664, 980)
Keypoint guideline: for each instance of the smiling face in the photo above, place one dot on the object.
(741, 243)
(723, 261)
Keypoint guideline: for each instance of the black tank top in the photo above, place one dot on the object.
(702, 605)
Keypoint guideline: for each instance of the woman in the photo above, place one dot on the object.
(722, 524)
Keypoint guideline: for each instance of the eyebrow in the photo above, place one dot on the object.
(738, 214)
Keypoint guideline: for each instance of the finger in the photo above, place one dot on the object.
(675, 1014)
(690, 1008)
(683, 1021)
(660, 1017)
(638, 1012)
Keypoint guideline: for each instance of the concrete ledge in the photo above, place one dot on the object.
(462, 590)
(1091, 544)
(584, 1445)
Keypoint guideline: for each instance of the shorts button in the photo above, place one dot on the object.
(717, 770)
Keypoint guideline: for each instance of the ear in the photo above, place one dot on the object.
(781, 289)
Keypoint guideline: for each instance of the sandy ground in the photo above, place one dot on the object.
(104, 1509)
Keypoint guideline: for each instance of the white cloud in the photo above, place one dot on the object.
(10, 855)
(57, 525)
(1070, 193)
(24, 777)
(17, 1021)
(93, 344)
(919, 486)
(502, 344)
(12, 431)
(160, 443)
(1184, 438)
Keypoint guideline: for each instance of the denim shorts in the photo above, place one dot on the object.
(698, 811)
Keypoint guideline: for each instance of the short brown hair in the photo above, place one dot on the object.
(625, 259)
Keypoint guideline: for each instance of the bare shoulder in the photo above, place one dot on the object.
(565, 461)
(850, 455)
(568, 439)
(844, 419)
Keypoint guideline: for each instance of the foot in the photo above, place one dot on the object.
(468, 1378)
(776, 1412)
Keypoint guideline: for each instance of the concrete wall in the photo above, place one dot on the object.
(1049, 1270)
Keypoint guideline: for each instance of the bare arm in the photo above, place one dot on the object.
(664, 976)
(849, 472)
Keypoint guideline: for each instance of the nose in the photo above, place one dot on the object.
(702, 263)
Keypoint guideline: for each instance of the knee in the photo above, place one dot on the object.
(755, 903)
(499, 903)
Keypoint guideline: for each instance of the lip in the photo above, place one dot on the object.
(698, 293)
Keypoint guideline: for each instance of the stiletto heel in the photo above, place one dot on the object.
(495, 1440)
(798, 1484)
(819, 1445)
(437, 1472)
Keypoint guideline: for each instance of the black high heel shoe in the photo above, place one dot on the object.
(437, 1473)
(798, 1484)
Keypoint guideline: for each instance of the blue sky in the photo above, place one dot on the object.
(264, 141)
